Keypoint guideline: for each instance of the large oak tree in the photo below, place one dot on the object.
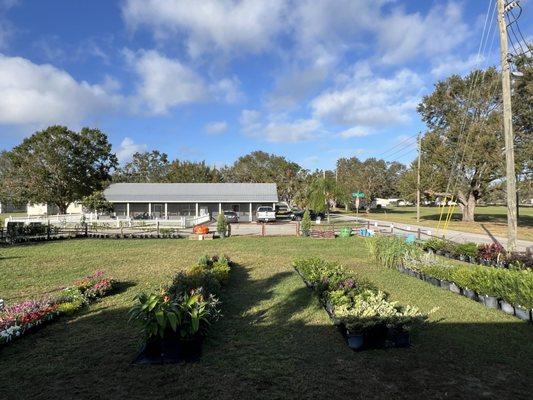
(57, 166)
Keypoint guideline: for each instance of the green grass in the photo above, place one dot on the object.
(490, 219)
(273, 342)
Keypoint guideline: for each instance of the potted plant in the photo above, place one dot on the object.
(467, 251)
(173, 327)
(222, 225)
(305, 225)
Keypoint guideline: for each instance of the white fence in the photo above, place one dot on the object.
(66, 220)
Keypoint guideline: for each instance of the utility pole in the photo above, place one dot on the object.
(418, 179)
(508, 130)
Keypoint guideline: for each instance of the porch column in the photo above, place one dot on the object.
(128, 210)
(150, 210)
(251, 217)
(166, 210)
(196, 210)
(274, 206)
(220, 208)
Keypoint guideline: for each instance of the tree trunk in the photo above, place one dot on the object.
(468, 205)
(62, 208)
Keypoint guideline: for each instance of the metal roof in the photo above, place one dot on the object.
(192, 192)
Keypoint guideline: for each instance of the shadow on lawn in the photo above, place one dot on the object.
(273, 341)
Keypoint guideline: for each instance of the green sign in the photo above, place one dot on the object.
(359, 195)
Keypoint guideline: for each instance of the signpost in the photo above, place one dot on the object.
(357, 196)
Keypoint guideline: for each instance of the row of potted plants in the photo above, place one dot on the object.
(506, 289)
(19, 319)
(492, 254)
(175, 320)
(361, 311)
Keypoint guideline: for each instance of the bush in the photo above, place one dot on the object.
(222, 225)
(306, 223)
(467, 249)
(434, 244)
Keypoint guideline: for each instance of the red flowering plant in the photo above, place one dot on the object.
(95, 285)
(491, 252)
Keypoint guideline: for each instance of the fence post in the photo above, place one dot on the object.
(86, 230)
(48, 230)
(297, 228)
(392, 228)
(367, 224)
(157, 224)
(263, 229)
(419, 234)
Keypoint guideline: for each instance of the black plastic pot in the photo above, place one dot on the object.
(170, 350)
(522, 313)
(462, 257)
(454, 288)
(488, 301)
(472, 259)
(433, 281)
(470, 294)
(356, 341)
(401, 339)
(506, 307)
(445, 284)
(376, 337)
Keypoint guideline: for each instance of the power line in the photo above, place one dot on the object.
(405, 140)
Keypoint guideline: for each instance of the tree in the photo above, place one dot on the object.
(193, 172)
(262, 167)
(222, 225)
(145, 167)
(97, 202)
(374, 177)
(323, 193)
(58, 166)
(463, 147)
(306, 223)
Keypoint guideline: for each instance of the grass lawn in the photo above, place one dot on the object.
(488, 219)
(273, 342)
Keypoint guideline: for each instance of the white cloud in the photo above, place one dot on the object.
(42, 94)
(356, 131)
(164, 82)
(403, 36)
(455, 65)
(128, 148)
(367, 100)
(277, 128)
(248, 25)
(227, 90)
(216, 127)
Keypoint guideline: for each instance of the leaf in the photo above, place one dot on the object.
(173, 320)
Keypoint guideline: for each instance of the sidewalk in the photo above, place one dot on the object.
(456, 236)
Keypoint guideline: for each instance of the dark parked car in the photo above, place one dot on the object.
(297, 215)
(231, 216)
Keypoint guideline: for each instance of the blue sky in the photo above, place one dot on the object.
(313, 80)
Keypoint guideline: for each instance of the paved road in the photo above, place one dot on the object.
(456, 236)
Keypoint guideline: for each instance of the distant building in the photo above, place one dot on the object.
(173, 200)
(48, 209)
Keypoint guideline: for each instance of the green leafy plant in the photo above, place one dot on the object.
(222, 225)
(157, 314)
(305, 225)
(390, 251)
(467, 249)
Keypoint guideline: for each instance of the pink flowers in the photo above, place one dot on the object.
(16, 319)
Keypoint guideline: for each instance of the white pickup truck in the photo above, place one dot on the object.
(265, 214)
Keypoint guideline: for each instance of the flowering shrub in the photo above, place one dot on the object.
(354, 302)
(17, 319)
(491, 252)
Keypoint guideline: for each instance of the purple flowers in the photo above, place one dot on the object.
(347, 284)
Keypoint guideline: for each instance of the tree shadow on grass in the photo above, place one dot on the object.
(273, 341)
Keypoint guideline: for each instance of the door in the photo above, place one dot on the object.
(158, 210)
